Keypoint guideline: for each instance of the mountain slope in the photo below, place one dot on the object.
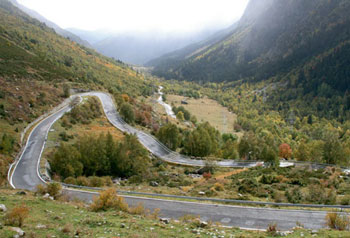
(273, 38)
(57, 29)
(176, 57)
(36, 68)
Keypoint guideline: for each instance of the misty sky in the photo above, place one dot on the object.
(139, 15)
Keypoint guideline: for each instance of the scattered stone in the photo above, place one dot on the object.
(122, 225)
(284, 233)
(195, 175)
(201, 193)
(21, 193)
(203, 224)
(154, 184)
(117, 181)
(3, 208)
(46, 195)
(314, 232)
(240, 195)
(19, 231)
(281, 233)
(41, 226)
(165, 220)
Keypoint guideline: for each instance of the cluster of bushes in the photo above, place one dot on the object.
(337, 221)
(109, 200)
(293, 185)
(92, 181)
(83, 113)
(181, 113)
(100, 156)
(16, 216)
(53, 189)
(202, 141)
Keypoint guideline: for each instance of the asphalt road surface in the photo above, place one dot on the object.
(26, 176)
(235, 216)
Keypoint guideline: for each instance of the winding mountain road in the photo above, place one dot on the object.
(26, 176)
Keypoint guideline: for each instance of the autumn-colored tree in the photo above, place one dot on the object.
(285, 151)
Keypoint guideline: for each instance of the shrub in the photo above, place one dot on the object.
(70, 180)
(248, 185)
(82, 181)
(16, 216)
(207, 175)
(219, 187)
(54, 189)
(337, 222)
(268, 179)
(331, 197)
(95, 181)
(64, 136)
(107, 181)
(294, 195)
(316, 194)
(67, 228)
(188, 218)
(41, 189)
(154, 214)
(109, 199)
(138, 210)
(272, 229)
(278, 196)
(345, 200)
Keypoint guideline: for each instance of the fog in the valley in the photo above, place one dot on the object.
(136, 31)
(140, 47)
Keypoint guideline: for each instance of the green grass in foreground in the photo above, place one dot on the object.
(62, 219)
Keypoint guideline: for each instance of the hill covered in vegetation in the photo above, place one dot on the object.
(37, 69)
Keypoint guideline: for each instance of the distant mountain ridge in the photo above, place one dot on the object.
(140, 47)
(57, 29)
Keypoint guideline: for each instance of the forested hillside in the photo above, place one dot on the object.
(272, 38)
(37, 69)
